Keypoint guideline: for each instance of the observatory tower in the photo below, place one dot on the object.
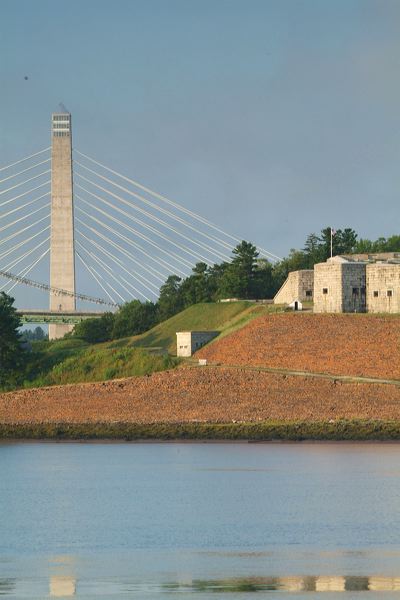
(62, 261)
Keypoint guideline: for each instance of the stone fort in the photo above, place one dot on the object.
(348, 283)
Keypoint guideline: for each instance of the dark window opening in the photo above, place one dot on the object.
(308, 293)
(355, 291)
(389, 293)
(376, 294)
(324, 290)
(363, 290)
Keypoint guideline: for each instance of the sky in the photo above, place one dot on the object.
(271, 118)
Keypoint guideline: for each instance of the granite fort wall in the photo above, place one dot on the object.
(339, 287)
(299, 285)
(383, 288)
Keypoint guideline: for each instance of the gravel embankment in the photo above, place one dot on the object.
(357, 345)
(205, 395)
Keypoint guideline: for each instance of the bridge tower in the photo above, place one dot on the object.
(62, 255)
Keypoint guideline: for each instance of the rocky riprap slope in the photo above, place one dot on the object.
(206, 394)
(358, 345)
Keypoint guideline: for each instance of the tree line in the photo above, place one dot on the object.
(246, 276)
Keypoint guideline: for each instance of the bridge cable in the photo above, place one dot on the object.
(125, 226)
(25, 193)
(127, 240)
(160, 276)
(3, 241)
(150, 216)
(29, 269)
(24, 159)
(16, 261)
(107, 282)
(24, 217)
(25, 182)
(55, 291)
(11, 250)
(119, 262)
(175, 204)
(109, 271)
(127, 282)
(94, 276)
(169, 213)
(24, 205)
(25, 170)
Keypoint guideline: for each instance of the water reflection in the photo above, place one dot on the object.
(6, 586)
(321, 583)
(62, 586)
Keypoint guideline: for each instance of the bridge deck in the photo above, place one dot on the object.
(56, 316)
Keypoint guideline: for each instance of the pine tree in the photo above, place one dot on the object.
(11, 352)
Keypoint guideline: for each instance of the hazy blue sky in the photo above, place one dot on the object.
(273, 118)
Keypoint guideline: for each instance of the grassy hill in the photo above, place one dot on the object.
(71, 360)
(223, 317)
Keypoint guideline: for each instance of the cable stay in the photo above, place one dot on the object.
(25, 170)
(158, 275)
(119, 263)
(16, 261)
(28, 269)
(25, 182)
(149, 215)
(94, 276)
(155, 206)
(10, 212)
(24, 159)
(175, 205)
(140, 235)
(24, 217)
(55, 291)
(25, 193)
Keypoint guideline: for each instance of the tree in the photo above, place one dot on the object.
(239, 278)
(195, 288)
(347, 240)
(133, 318)
(95, 330)
(170, 301)
(37, 335)
(11, 353)
(312, 251)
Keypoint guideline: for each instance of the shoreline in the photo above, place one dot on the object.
(357, 430)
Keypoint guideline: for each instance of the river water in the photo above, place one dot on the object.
(199, 520)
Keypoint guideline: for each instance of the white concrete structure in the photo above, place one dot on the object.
(62, 260)
(187, 342)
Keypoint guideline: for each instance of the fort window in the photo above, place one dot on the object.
(308, 293)
(390, 293)
(363, 290)
(376, 294)
(355, 291)
(324, 290)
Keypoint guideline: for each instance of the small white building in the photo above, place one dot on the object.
(187, 342)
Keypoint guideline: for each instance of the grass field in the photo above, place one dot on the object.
(72, 360)
(223, 317)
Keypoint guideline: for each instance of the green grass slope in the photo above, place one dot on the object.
(215, 316)
(65, 361)
(71, 360)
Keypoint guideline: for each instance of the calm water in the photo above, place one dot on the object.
(199, 520)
